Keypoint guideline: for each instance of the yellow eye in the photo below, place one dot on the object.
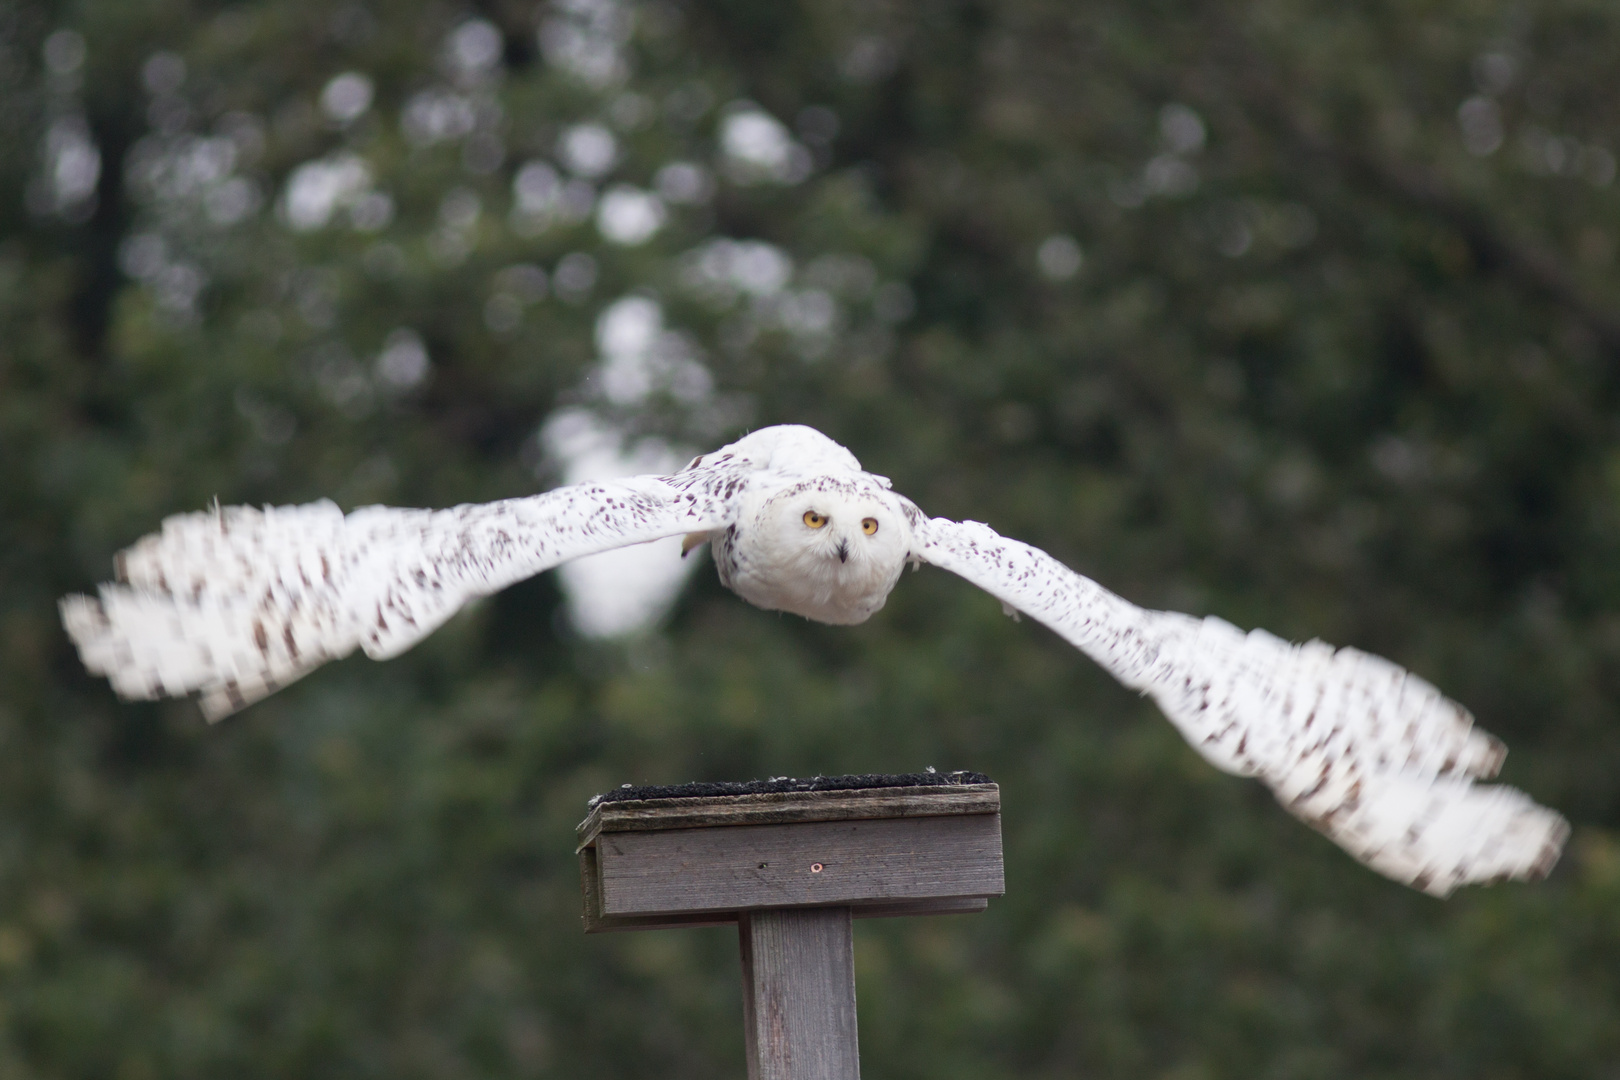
(869, 526)
(813, 519)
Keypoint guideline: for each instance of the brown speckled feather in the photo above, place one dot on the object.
(237, 602)
(1370, 754)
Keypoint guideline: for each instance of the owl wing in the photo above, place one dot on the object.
(1360, 749)
(238, 602)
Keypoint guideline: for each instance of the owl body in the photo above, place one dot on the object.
(827, 547)
(815, 534)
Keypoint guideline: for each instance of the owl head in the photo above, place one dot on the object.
(829, 548)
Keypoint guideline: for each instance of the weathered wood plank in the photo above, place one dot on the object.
(814, 863)
(799, 994)
(653, 815)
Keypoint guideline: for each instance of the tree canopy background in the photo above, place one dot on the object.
(1296, 312)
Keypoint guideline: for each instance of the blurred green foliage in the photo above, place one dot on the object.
(1296, 312)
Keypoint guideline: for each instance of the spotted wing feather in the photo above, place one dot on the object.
(237, 602)
(1364, 751)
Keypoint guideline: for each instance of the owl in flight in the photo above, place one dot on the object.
(235, 603)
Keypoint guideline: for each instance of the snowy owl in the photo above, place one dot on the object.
(237, 602)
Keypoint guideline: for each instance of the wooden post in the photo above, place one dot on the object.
(798, 967)
(792, 862)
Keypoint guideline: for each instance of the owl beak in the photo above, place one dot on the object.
(843, 551)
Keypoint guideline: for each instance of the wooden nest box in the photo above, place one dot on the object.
(791, 862)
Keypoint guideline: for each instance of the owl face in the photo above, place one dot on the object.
(857, 527)
(829, 549)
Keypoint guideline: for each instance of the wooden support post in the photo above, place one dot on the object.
(798, 968)
(792, 862)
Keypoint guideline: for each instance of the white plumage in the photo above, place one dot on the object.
(234, 603)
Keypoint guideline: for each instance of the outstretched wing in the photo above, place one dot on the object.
(238, 602)
(1371, 755)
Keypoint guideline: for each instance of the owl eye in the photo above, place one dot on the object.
(813, 519)
(869, 526)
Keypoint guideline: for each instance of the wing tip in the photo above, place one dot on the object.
(91, 630)
(1556, 834)
(1532, 855)
(82, 616)
(1487, 753)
